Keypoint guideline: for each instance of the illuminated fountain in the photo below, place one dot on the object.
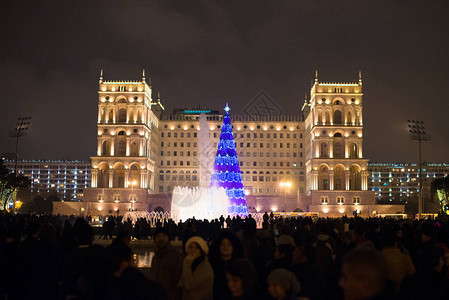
(198, 202)
(220, 190)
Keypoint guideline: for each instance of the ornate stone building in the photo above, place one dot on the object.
(124, 167)
(309, 161)
(337, 173)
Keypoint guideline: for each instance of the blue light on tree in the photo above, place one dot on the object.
(226, 172)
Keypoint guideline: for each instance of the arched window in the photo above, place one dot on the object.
(339, 178)
(320, 117)
(131, 115)
(353, 151)
(121, 149)
(111, 116)
(327, 118)
(122, 115)
(338, 102)
(324, 150)
(355, 178)
(339, 151)
(103, 115)
(103, 176)
(120, 176)
(139, 116)
(134, 148)
(105, 148)
(134, 175)
(323, 178)
(349, 118)
(337, 117)
(122, 100)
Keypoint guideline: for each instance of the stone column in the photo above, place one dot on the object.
(99, 142)
(365, 175)
(360, 116)
(94, 181)
(126, 178)
(151, 174)
(99, 114)
(112, 146)
(144, 178)
(111, 178)
(140, 152)
(360, 148)
(314, 180)
(127, 147)
(346, 149)
(347, 173)
(331, 180)
(331, 149)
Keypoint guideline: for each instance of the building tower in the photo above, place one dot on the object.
(337, 173)
(123, 169)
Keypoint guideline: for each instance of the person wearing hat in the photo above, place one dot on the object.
(166, 266)
(197, 277)
(282, 284)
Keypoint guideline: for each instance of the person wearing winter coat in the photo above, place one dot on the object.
(197, 277)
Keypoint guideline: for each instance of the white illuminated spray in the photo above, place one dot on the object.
(202, 202)
(206, 152)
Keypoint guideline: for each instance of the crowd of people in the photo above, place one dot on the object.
(54, 257)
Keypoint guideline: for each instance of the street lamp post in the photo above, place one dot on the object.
(418, 133)
(19, 131)
(133, 183)
(284, 186)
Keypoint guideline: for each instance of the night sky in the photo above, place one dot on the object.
(210, 52)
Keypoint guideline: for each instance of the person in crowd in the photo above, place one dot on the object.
(126, 281)
(67, 236)
(166, 268)
(283, 285)
(303, 269)
(124, 237)
(108, 229)
(428, 282)
(242, 280)
(42, 271)
(189, 231)
(84, 269)
(224, 249)
(284, 237)
(282, 259)
(364, 275)
(428, 234)
(399, 265)
(373, 234)
(197, 277)
(324, 253)
(265, 233)
(248, 238)
(31, 240)
(266, 246)
(10, 261)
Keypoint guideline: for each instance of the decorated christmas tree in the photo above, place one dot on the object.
(226, 172)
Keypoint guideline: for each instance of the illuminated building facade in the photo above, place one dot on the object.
(124, 167)
(337, 173)
(68, 178)
(310, 161)
(399, 183)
